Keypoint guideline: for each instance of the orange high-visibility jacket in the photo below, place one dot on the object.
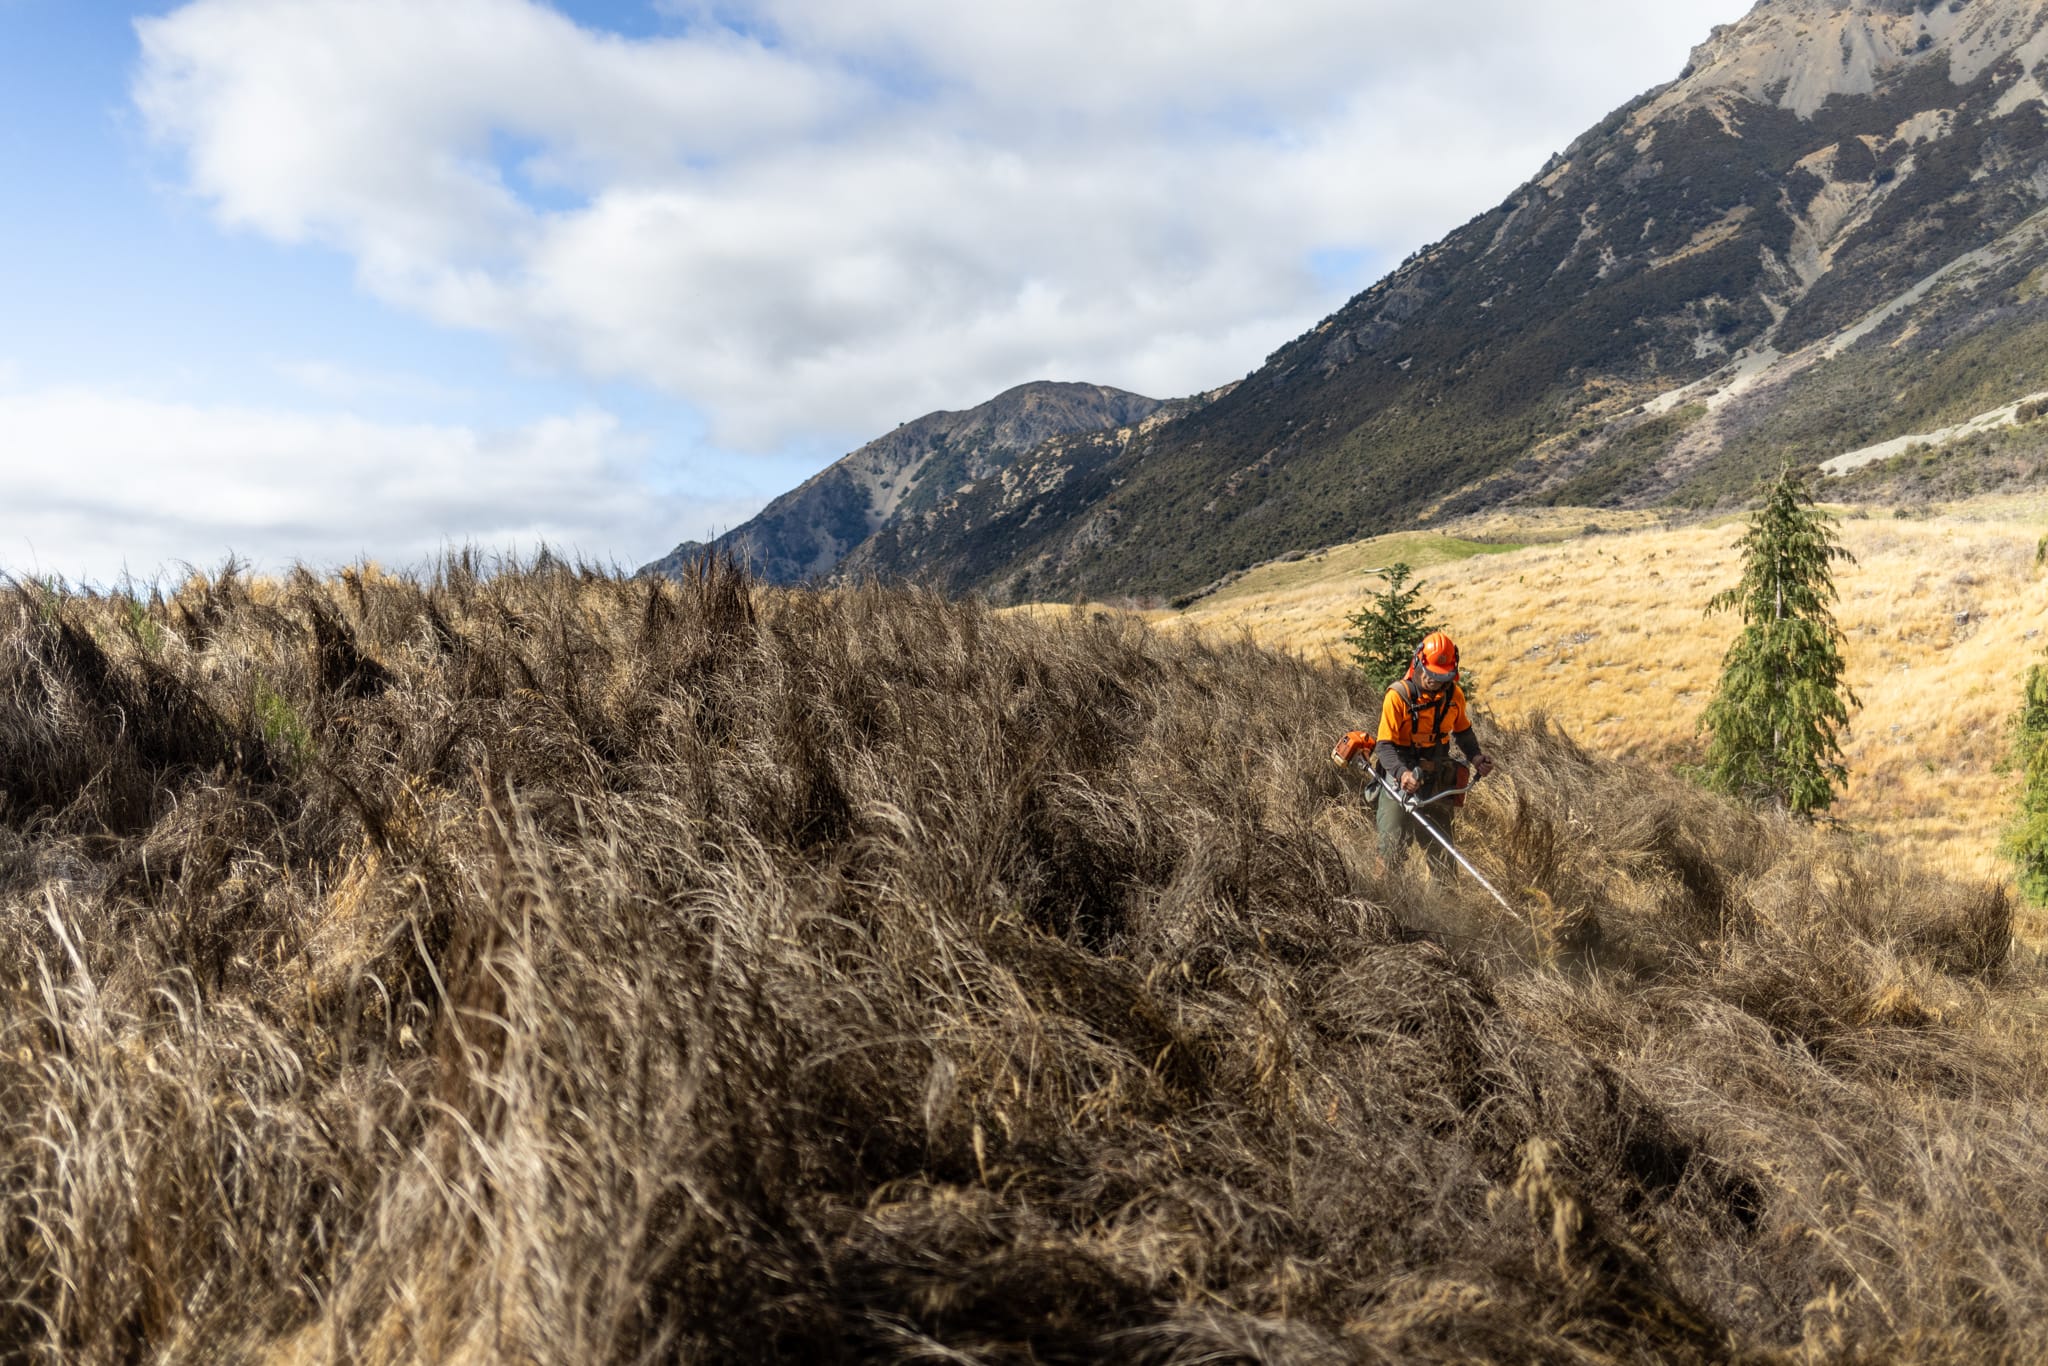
(1409, 734)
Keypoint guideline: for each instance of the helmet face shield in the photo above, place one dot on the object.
(1436, 662)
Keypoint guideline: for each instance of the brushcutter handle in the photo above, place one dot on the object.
(1448, 794)
(1406, 799)
(1409, 800)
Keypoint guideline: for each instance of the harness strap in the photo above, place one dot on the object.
(1405, 689)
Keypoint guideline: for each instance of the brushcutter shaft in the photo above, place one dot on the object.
(1414, 809)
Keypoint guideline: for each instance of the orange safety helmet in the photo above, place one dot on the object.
(1436, 662)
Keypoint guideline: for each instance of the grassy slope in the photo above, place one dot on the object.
(553, 968)
(1604, 634)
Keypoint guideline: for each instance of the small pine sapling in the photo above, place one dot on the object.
(1385, 632)
(2026, 841)
(1781, 702)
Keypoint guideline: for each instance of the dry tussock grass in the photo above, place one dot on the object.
(538, 966)
(1943, 615)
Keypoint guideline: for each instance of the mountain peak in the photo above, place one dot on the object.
(806, 532)
(1798, 53)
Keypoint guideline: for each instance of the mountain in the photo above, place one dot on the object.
(1826, 240)
(1825, 235)
(807, 532)
(1777, 223)
(1009, 520)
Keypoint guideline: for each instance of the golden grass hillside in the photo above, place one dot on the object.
(1943, 612)
(536, 966)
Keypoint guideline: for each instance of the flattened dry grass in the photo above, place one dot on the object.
(539, 966)
(1943, 615)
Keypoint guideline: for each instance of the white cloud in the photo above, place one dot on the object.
(350, 383)
(1139, 58)
(97, 482)
(887, 207)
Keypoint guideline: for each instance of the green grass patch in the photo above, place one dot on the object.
(1418, 549)
(284, 730)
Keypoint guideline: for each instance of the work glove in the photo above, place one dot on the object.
(1482, 765)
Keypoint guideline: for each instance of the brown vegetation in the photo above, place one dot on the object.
(1944, 611)
(539, 966)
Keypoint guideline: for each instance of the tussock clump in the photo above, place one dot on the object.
(525, 963)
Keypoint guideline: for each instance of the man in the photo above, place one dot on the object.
(1419, 719)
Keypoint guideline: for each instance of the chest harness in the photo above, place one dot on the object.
(1436, 711)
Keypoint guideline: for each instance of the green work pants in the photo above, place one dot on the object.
(1398, 828)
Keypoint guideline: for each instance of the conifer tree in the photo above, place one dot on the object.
(2026, 843)
(1385, 632)
(1781, 701)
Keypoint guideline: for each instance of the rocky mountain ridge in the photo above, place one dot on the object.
(1798, 54)
(1825, 234)
(807, 532)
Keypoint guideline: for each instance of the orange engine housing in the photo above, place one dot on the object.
(1355, 747)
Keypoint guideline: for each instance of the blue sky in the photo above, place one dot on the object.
(319, 279)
